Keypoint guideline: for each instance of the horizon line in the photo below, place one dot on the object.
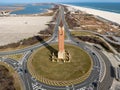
(55, 2)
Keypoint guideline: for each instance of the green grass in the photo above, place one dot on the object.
(15, 56)
(118, 34)
(81, 33)
(21, 46)
(80, 63)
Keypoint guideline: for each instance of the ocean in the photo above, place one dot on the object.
(32, 9)
(111, 7)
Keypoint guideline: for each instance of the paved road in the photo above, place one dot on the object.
(108, 79)
(117, 42)
(31, 83)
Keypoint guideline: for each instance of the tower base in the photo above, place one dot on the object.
(61, 55)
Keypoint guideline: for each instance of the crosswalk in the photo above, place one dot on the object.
(84, 88)
(37, 87)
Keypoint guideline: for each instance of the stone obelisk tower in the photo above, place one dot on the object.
(61, 53)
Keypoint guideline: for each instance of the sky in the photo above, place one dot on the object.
(35, 1)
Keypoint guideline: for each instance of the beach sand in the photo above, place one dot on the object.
(111, 16)
(13, 29)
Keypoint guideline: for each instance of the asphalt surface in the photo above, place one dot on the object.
(92, 82)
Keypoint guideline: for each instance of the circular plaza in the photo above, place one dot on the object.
(60, 73)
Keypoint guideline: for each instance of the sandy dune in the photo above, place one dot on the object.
(115, 17)
(13, 29)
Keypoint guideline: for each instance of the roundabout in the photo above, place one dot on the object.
(60, 73)
(87, 68)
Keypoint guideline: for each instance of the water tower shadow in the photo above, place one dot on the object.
(46, 45)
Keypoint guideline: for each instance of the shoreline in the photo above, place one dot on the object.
(17, 9)
(8, 10)
(46, 10)
(110, 16)
(23, 27)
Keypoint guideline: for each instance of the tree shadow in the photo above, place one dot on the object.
(51, 49)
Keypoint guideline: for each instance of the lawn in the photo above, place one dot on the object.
(41, 65)
(15, 56)
(81, 33)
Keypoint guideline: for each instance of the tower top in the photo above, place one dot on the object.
(61, 24)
